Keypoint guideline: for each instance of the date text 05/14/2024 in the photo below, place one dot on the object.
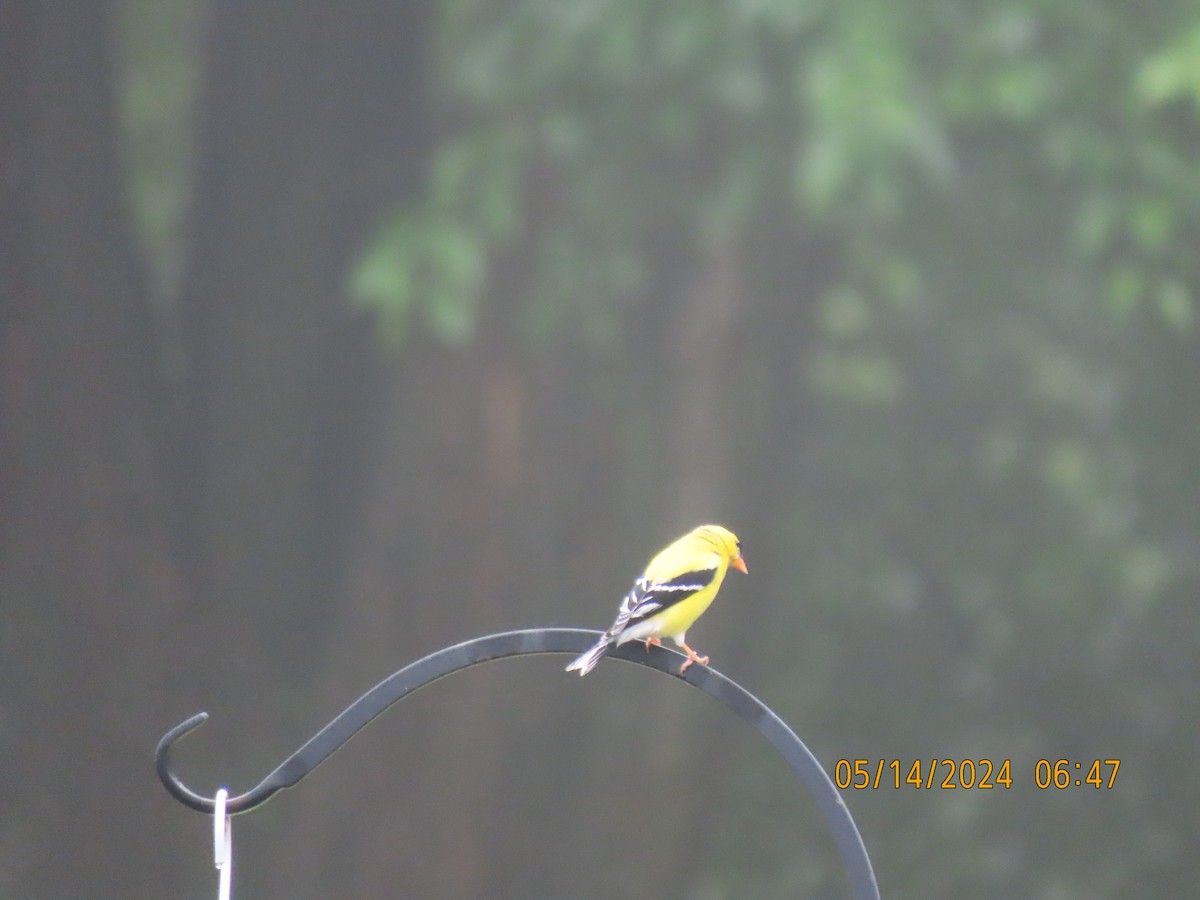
(972, 774)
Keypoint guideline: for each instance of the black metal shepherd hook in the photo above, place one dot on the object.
(521, 643)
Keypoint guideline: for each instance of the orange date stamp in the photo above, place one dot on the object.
(971, 774)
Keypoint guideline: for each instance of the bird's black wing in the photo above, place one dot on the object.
(647, 598)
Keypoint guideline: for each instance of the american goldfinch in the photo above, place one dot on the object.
(676, 588)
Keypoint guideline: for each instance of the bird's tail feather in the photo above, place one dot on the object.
(588, 661)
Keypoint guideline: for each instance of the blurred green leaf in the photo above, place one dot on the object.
(1176, 305)
(1174, 71)
(863, 378)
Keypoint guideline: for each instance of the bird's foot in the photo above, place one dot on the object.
(693, 657)
(653, 642)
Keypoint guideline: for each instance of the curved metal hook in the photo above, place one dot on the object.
(520, 643)
(360, 713)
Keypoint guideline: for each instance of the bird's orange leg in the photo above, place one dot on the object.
(693, 657)
(653, 642)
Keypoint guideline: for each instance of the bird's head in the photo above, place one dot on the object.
(724, 542)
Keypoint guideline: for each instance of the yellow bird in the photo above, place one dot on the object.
(676, 588)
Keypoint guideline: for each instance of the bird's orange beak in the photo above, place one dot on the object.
(740, 565)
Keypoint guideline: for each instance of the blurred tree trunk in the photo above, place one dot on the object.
(86, 580)
(428, 569)
(434, 544)
(313, 123)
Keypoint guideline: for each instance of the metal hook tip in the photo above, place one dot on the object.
(162, 762)
(187, 725)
